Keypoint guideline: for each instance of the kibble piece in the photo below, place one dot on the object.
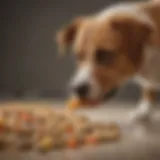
(41, 120)
(46, 144)
(25, 145)
(2, 126)
(27, 117)
(105, 136)
(72, 142)
(24, 133)
(74, 104)
(86, 129)
(91, 139)
(113, 127)
(6, 141)
(6, 114)
(80, 137)
(3, 144)
(83, 119)
(61, 117)
(60, 143)
(112, 135)
(69, 129)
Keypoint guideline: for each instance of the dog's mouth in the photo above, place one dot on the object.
(109, 95)
(102, 99)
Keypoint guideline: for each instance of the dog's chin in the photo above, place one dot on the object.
(109, 95)
(98, 100)
(106, 96)
(91, 101)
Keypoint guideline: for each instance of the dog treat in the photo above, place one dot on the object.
(72, 142)
(25, 145)
(74, 103)
(3, 144)
(25, 130)
(2, 126)
(45, 144)
(91, 139)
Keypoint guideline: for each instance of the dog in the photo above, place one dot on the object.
(117, 44)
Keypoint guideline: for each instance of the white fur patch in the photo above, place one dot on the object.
(84, 75)
(142, 112)
(149, 74)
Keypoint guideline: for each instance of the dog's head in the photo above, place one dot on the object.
(108, 52)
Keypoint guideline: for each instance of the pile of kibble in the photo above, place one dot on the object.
(27, 130)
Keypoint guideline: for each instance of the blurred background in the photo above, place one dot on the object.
(29, 63)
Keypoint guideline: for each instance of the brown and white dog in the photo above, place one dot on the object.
(113, 46)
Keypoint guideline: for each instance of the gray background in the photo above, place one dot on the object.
(28, 56)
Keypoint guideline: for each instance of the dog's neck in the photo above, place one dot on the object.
(149, 73)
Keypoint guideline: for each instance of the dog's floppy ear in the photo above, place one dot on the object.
(66, 35)
(135, 34)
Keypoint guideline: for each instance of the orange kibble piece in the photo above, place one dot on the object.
(2, 125)
(46, 143)
(69, 129)
(17, 127)
(74, 103)
(91, 139)
(26, 117)
(72, 143)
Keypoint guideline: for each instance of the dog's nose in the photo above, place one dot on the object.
(82, 90)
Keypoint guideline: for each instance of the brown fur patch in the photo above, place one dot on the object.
(66, 35)
(149, 94)
(135, 35)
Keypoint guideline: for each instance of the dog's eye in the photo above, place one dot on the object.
(104, 57)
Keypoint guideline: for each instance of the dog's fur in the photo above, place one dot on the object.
(129, 36)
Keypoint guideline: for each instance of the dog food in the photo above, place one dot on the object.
(75, 103)
(27, 129)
